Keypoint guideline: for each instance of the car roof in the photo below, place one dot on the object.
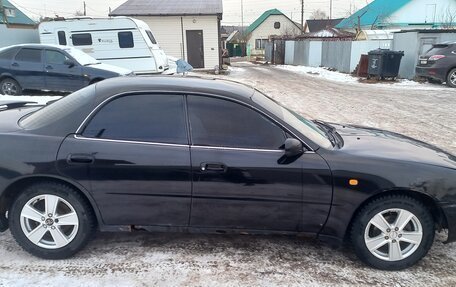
(170, 84)
(37, 46)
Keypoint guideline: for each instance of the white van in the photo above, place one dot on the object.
(119, 41)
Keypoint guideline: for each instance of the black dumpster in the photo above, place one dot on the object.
(384, 63)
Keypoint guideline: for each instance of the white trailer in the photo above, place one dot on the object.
(119, 41)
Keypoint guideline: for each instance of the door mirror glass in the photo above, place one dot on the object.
(293, 148)
(69, 63)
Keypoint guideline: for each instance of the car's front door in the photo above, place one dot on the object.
(27, 68)
(240, 177)
(135, 152)
(59, 75)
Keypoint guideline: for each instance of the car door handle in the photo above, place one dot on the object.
(80, 159)
(49, 68)
(213, 166)
(15, 65)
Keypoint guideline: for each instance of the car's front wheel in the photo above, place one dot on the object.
(51, 220)
(10, 87)
(451, 79)
(393, 232)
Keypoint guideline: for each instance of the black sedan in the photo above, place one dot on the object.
(50, 67)
(439, 64)
(188, 154)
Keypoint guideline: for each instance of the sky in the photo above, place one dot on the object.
(231, 8)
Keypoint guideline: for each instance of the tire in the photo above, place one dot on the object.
(10, 87)
(42, 235)
(382, 243)
(451, 78)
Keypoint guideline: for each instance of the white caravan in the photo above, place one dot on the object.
(119, 41)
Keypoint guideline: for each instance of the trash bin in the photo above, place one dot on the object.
(384, 63)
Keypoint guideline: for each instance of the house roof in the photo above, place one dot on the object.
(322, 24)
(375, 12)
(263, 18)
(168, 7)
(330, 33)
(19, 18)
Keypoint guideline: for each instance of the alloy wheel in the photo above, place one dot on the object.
(49, 221)
(393, 234)
(453, 78)
(9, 88)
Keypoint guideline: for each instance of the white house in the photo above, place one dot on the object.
(270, 23)
(15, 26)
(403, 14)
(189, 30)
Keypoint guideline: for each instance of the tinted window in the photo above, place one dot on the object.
(81, 39)
(277, 25)
(29, 55)
(151, 37)
(55, 57)
(125, 39)
(216, 122)
(154, 118)
(7, 54)
(62, 38)
(57, 111)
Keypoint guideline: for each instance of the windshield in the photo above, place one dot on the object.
(304, 126)
(58, 110)
(81, 57)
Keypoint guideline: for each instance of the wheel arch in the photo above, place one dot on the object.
(430, 202)
(16, 187)
(6, 76)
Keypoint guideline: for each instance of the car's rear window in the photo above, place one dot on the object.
(7, 54)
(58, 110)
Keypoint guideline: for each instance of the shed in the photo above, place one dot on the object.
(185, 29)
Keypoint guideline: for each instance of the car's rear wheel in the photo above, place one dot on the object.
(10, 87)
(51, 220)
(451, 79)
(392, 233)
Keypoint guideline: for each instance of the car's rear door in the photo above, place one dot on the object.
(60, 76)
(240, 177)
(135, 152)
(28, 68)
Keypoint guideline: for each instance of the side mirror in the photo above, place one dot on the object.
(69, 63)
(293, 148)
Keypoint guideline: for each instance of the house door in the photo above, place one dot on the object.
(195, 48)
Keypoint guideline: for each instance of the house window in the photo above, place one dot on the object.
(10, 12)
(125, 39)
(62, 38)
(260, 43)
(84, 39)
(277, 25)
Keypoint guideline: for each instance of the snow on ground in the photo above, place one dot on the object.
(153, 259)
(346, 78)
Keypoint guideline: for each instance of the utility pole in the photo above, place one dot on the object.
(330, 9)
(85, 9)
(242, 17)
(302, 16)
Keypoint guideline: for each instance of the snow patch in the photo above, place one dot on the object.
(42, 100)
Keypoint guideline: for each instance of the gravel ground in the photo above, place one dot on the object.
(145, 259)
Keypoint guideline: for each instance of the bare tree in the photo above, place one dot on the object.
(318, 15)
(448, 19)
(78, 13)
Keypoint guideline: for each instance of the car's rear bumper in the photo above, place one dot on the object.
(449, 210)
(431, 73)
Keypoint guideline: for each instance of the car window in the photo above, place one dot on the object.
(55, 57)
(125, 39)
(7, 54)
(150, 118)
(62, 38)
(223, 123)
(84, 39)
(29, 55)
(151, 37)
